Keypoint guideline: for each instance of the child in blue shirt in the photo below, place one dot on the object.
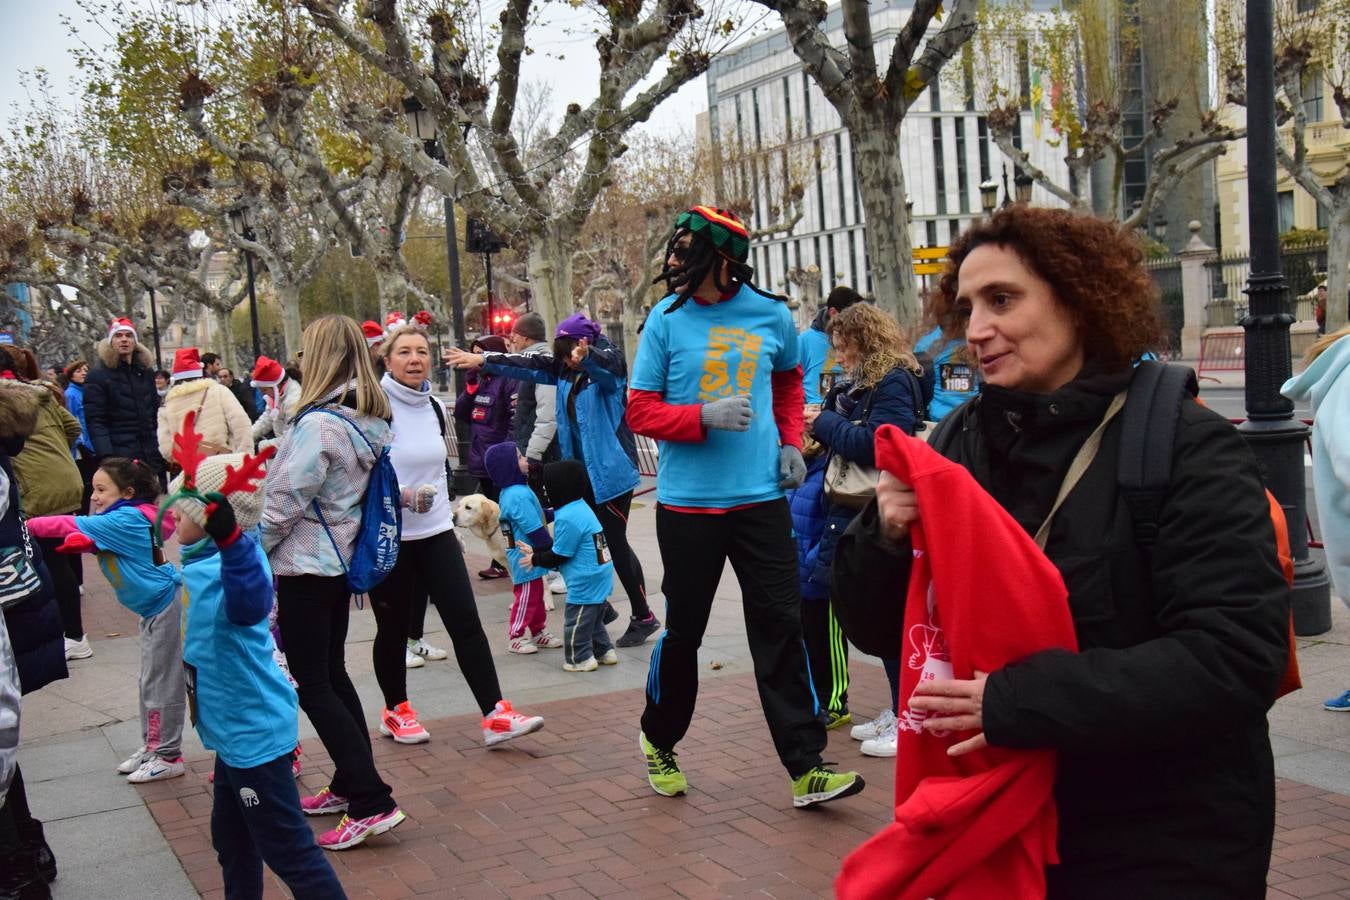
(522, 518)
(579, 551)
(240, 701)
(122, 532)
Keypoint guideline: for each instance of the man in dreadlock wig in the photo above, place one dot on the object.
(717, 382)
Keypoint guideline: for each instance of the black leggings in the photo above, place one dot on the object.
(312, 611)
(613, 516)
(64, 586)
(431, 566)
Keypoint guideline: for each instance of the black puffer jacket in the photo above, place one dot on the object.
(1165, 785)
(121, 406)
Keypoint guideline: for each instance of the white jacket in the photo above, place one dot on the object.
(274, 421)
(220, 418)
(419, 454)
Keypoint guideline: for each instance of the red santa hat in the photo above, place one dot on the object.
(186, 364)
(422, 321)
(268, 373)
(373, 332)
(394, 320)
(122, 324)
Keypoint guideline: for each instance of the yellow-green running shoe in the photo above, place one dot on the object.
(663, 772)
(832, 719)
(821, 785)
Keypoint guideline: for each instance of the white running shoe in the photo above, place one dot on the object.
(875, 728)
(882, 745)
(411, 660)
(157, 768)
(588, 665)
(611, 658)
(134, 761)
(425, 650)
(79, 649)
(547, 640)
(555, 583)
(504, 724)
(522, 644)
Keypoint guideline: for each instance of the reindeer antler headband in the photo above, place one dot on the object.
(187, 453)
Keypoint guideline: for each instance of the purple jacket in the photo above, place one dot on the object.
(486, 406)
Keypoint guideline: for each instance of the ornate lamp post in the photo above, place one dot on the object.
(1276, 437)
(988, 195)
(422, 124)
(241, 223)
(1022, 185)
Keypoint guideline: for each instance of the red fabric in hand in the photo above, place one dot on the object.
(981, 595)
(789, 396)
(77, 542)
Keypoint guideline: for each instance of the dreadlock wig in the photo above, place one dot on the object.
(715, 236)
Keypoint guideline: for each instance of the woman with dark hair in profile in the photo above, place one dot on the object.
(1165, 780)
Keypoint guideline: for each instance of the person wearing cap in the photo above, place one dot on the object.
(120, 400)
(243, 707)
(220, 418)
(281, 399)
(820, 369)
(485, 406)
(590, 376)
(718, 383)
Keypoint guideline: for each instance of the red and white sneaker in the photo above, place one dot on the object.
(547, 640)
(350, 832)
(400, 723)
(295, 762)
(324, 803)
(504, 724)
(522, 644)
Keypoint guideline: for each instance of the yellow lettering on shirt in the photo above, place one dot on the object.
(723, 342)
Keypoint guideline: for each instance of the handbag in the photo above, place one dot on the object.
(847, 483)
(19, 578)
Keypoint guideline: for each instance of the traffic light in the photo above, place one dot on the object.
(479, 238)
(501, 322)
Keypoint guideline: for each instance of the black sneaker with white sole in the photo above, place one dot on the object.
(638, 631)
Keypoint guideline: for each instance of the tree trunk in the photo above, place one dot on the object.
(289, 297)
(392, 287)
(881, 182)
(1338, 257)
(224, 338)
(550, 268)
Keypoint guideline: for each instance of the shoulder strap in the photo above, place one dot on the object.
(440, 420)
(353, 425)
(1148, 432)
(948, 427)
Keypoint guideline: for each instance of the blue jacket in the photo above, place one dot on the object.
(807, 504)
(890, 402)
(606, 446)
(75, 403)
(245, 710)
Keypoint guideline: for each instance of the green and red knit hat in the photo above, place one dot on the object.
(719, 226)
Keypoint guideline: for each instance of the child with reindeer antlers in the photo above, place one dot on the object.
(241, 704)
(122, 532)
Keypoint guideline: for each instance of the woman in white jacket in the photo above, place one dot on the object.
(281, 399)
(430, 561)
(221, 421)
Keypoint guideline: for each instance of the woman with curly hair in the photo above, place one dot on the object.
(1165, 780)
(880, 387)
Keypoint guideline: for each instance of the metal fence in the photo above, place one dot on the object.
(1166, 272)
(1302, 265)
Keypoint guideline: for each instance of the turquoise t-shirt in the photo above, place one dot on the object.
(820, 370)
(706, 352)
(578, 536)
(126, 554)
(954, 381)
(521, 516)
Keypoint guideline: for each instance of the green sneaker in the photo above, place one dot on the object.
(832, 719)
(820, 785)
(663, 772)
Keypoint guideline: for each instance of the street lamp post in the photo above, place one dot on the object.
(241, 222)
(1276, 437)
(154, 328)
(1022, 185)
(423, 126)
(988, 195)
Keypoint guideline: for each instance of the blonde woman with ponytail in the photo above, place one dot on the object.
(322, 462)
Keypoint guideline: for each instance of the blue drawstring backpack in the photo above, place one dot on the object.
(376, 549)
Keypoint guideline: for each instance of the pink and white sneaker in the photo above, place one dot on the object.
(400, 723)
(324, 803)
(295, 762)
(351, 832)
(504, 724)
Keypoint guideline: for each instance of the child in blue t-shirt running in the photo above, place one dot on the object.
(122, 533)
(579, 551)
(522, 518)
(240, 701)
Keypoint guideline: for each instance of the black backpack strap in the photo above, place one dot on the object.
(440, 420)
(950, 426)
(1148, 432)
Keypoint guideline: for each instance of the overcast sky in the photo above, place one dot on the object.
(32, 35)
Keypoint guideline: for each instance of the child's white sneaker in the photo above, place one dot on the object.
(522, 644)
(134, 761)
(588, 665)
(157, 768)
(411, 660)
(547, 640)
(611, 658)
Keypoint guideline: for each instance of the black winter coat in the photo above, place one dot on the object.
(35, 624)
(121, 406)
(1165, 784)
